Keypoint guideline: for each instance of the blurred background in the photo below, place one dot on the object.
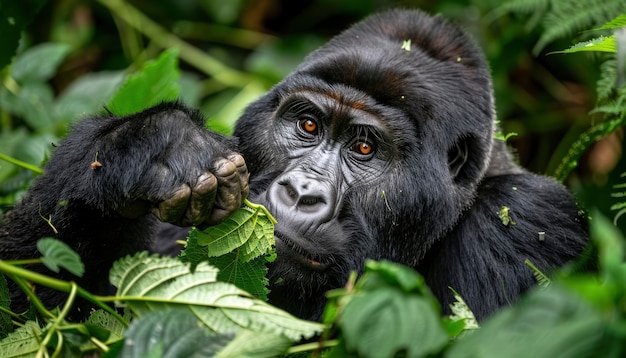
(232, 51)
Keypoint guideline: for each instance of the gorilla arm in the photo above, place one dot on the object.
(110, 173)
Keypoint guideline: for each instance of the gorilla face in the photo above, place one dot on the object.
(369, 149)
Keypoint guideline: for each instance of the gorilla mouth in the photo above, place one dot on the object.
(297, 253)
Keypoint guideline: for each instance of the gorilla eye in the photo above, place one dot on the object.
(308, 125)
(363, 148)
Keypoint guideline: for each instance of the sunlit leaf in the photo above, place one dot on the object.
(155, 82)
(599, 44)
(151, 283)
(616, 23)
(229, 235)
(23, 342)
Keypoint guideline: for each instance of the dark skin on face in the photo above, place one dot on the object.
(368, 150)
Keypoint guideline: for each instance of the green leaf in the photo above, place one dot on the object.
(542, 279)
(32, 102)
(260, 242)
(172, 333)
(14, 16)
(461, 312)
(249, 276)
(223, 118)
(616, 23)
(599, 44)
(611, 250)
(24, 342)
(151, 283)
(249, 229)
(584, 141)
(156, 82)
(229, 235)
(194, 253)
(248, 344)
(388, 322)
(88, 94)
(39, 63)
(57, 254)
(395, 275)
(106, 321)
(550, 322)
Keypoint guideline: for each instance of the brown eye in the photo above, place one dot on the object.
(308, 125)
(363, 148)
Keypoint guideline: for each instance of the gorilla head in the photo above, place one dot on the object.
(372, 148)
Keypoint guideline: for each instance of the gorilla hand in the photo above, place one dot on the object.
(163, 161)
(210, 199)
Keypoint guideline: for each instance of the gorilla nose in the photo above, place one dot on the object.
(303, 194)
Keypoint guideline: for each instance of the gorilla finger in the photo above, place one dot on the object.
(172, 209)
(228, 198)
(202, 196)
(242, 170)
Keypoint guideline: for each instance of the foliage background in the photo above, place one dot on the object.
(545, 99)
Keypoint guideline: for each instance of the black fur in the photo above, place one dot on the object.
(428, 196)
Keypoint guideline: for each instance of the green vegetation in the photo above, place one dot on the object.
(74, 58)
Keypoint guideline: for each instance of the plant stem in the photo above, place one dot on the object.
(307, 347)
(166, 39)
(19, 163)
(260, 208)
(19, 274)
(31, 295)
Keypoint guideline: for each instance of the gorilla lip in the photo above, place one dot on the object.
(295, 252)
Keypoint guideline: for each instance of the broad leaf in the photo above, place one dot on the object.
(599, 44)
(57, 254)
(151, 283)
(156, 82)
(15, 16)
(172, 333)
(248, 344)
(616, 23)
(88, 94)
(549, 322)
(104, 320)
(24, 342)
(388, 312)
(229, 235)
(260, 242)
(39, 63)
(249, 276)
(387, 322)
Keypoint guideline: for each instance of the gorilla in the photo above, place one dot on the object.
(380, 145)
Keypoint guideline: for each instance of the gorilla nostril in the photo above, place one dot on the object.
(290, 191)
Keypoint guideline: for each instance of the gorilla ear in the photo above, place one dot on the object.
(457, 158)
